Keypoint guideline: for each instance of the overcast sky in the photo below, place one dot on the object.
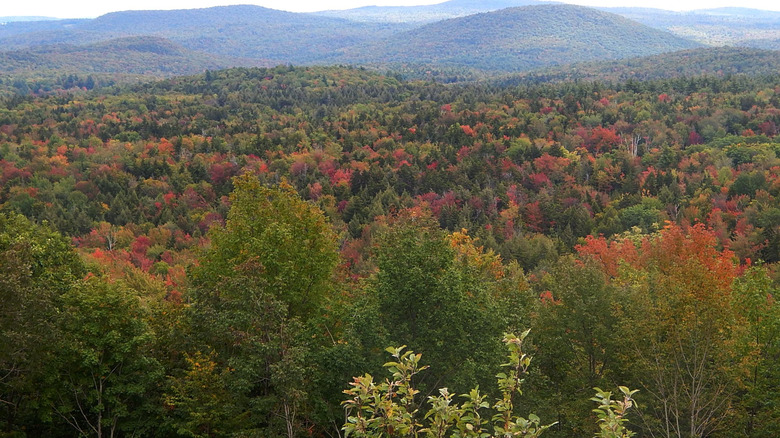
(94, 8)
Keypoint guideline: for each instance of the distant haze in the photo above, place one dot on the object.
(94, 8)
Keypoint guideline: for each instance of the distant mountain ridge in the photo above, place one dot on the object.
(719, 27)
(517, 39)
(716, 26)
(533, 36)
(511, 39)
(10, 31)
(704, 61)
(426, 13)
(24, 18)
(241, 31)
(144, 55)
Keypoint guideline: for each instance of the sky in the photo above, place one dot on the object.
(94, 8)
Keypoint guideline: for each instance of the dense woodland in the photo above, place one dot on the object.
(219, 255)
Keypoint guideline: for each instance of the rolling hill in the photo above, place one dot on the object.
(12, 30)
(426, 13)
(5, 20)
(240, 31)
(144, 55)
(542, 39)
(518, 39)
(717, 27)
(704, 61)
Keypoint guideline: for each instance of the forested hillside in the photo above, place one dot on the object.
(508, 40)
(143, 56)
(703, 61)
(426, 13)
(238, 31)
(519, 39)
(717, 27)
(219, 255)
(457, 40)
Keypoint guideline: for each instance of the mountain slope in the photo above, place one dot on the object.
(766, 43)
(518, 39)
(426, 13)
(242, 31)
(719, 27)
(4, 20)
(705, 61)
(10, 29)
(148, 56)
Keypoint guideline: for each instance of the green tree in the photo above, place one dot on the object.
(576, 332)
(263, 278)
(105, 366)
(39, 266)
(199, 401)
(754, 298)
(439, 292)
(285, 240)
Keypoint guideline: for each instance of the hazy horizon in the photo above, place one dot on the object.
(93, 8)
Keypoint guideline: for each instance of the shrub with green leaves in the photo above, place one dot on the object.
(389, 409)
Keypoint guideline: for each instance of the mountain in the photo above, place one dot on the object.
(426, 13)
(705, 61)
(662, 18)
(5, 20)
(240, 31)
(473, 47)
(767, 43)
(718, 27)
(756, 14)
(145, 55)
(9, 30)
(517, 39)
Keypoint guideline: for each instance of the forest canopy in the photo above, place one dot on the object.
(222, 254)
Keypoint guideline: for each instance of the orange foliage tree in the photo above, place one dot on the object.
(682, 345)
